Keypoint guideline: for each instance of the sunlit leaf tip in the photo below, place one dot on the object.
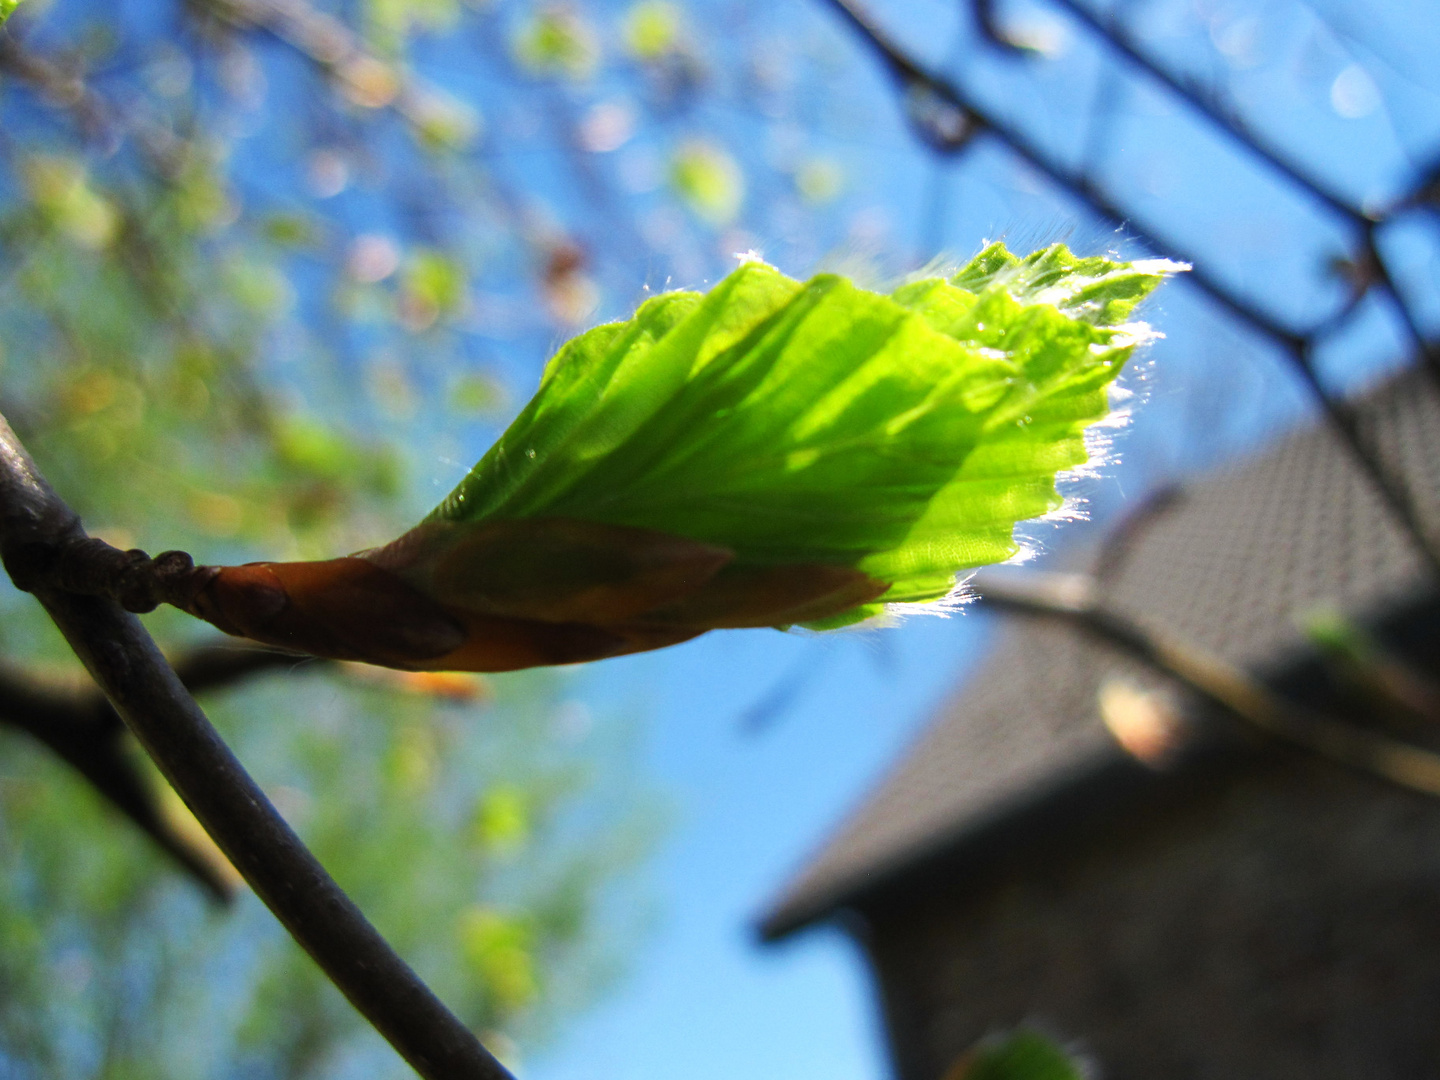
(769, 453)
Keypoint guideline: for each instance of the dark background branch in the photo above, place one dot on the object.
(77, 724)
(84, 732)
(1073, 599)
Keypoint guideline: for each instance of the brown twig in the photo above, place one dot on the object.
(149, 697)
(1072, 598)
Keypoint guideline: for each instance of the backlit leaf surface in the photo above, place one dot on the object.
(902, 435)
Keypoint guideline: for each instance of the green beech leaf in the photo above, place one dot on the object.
(770, 453)
(901, 435)
(7, 8)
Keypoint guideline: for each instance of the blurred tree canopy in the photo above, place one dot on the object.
(259, 262)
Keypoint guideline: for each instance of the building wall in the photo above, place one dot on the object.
(1273, 922)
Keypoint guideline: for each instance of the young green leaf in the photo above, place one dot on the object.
(1021, 1055)
(770, 453)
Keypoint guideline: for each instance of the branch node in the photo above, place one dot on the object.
(88, 566)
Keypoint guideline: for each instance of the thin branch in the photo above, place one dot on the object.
(1428, 351)
(1200, 99)
(970, 120)
(149, 697)
(58, 87)
(1072, 598)
(338, 53)
(98, 117)
(1208, 105)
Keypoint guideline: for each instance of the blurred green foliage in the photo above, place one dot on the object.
(113, 966)
(558, 41)
(196, 365)
(709, 181)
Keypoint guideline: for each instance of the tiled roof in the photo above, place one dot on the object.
(1233, 567)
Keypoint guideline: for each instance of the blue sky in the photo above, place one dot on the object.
(703, 999)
